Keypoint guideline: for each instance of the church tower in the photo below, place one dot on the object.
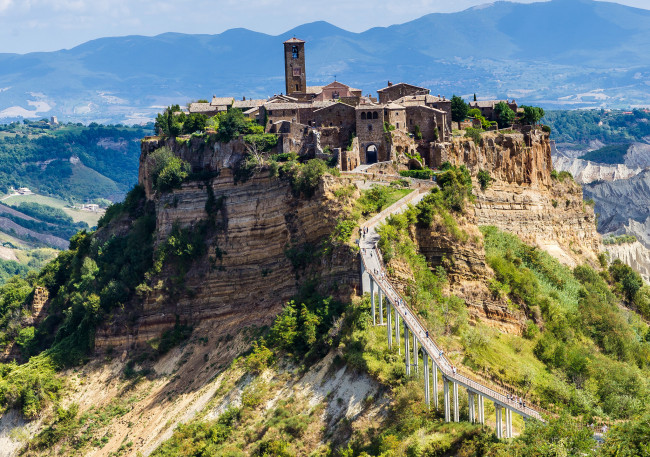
(294, 66)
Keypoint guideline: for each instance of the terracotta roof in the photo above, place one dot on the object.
(281, 99)
(314, 89)
(222, 101)
(294, 40)
(393, 105)
(252, 110)
(402, 84)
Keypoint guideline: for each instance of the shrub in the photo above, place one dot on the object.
(546, 128)
(167, 171)
(484, 179)
(425, 173)
(417, 133)
(474, 134)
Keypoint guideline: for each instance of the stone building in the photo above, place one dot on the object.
(405, 118)
(487, 107)
(394, 91)
(295, 74)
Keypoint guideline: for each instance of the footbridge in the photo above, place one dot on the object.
(400, 320)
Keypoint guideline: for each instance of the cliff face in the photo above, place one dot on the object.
(634, 254)
(246, 275)
(515, 158)
(468, 273)
(523, 198)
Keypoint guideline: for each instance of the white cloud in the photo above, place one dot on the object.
(4, 4)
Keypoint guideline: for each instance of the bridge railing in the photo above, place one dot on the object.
(496, 392)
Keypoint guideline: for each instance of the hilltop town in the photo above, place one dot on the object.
(353, 126)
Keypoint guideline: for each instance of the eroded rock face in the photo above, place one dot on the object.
(468, 274)
(246, 275)
(515, 158)
(555, 219)
(634, 254)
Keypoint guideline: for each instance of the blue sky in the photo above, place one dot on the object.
(47, 25)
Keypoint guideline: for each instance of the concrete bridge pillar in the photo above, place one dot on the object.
(481, 410)
(456, 411)
(445, 389)
(365, 279)
(372, 301)
(397, 325)
(416, 355)
(499, 424)
(435, 385)
(508, 423)
(381, 306)
(427, 392)
(389, 327)
(407, 353)
(470, 402)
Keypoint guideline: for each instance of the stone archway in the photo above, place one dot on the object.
(371, 154)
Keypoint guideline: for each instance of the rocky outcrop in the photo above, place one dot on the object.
(468, 274)
(515, 158)
(618, 201)
(585, 172)
(252, 266)
(555, 219)
(523, 198)
(634, 254)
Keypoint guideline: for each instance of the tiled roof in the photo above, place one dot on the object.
(393, 105)
(314, 89)
(222, 101)
(279, 105)
(248, 103)
(402, 84)
(202, 108)
(333, 104)
(418, 99)
(294, 40)
(485, 103)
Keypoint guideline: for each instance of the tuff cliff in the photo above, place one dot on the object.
(252, 264)
(524, 198)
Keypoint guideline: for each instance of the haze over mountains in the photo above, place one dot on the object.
(558, 54)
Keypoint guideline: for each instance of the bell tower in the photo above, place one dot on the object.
(294, 66)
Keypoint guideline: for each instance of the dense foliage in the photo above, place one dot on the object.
(167, 170)
(459, 108)
(611, 154)
(505, 115)
(611, 127)
(40, 159)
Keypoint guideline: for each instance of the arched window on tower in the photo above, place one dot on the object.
(363, 116)
(374, 114)
(294, 52)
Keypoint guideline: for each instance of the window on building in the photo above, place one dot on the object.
(397, 125)
(297, 87)
(363, 116)
(270, 112)
(294, 52)
(370, 127)
(375, 115)
(335, 95)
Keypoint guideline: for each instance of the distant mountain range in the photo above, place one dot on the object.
(558, 54)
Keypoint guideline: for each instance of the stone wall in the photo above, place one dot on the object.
(371, 132)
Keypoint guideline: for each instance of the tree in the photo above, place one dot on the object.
(475, 96)
(458, 109)
(532, 114)
(195, 122)
(167, 123)
(505, 115)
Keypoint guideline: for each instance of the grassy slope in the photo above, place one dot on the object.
(77, 215)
